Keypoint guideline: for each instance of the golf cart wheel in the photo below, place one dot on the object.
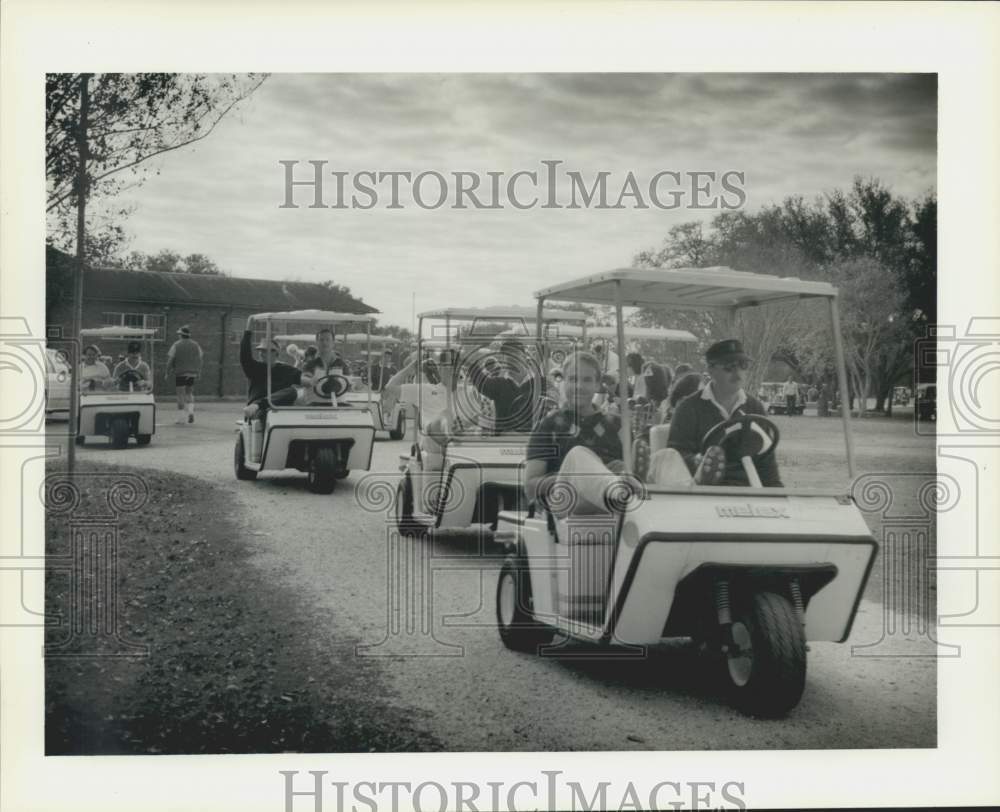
(119, 431)
(406, 524)
(143, 439)
(766, 664)
(240, 459)
(342, 473)
(400, 431)
(323, 470)
(517, 625)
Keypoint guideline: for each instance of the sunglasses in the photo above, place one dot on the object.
(732, 366)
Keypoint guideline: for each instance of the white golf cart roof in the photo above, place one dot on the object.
(510, 312)
(117, 332)
(309, 337)
(314, 315)
(701, 288)
(605, 331)
(363, 337)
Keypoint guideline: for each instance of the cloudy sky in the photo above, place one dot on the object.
(788, 134)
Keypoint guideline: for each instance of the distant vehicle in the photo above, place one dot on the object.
(57, 382)
(925, 406)
(316, 434)
(773, 398)
(125, 407)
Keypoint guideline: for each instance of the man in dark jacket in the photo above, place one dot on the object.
(721, 399)
(511, 384)
(284, 377)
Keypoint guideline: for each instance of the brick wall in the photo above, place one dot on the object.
(216, 329)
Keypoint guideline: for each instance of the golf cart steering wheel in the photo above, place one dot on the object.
(127, 378)
(745, 439)
(335, 385)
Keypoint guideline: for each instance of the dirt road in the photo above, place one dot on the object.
(424, 609)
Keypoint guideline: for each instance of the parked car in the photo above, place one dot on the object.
(57, 382)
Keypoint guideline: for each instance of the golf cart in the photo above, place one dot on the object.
(123, 407)
(311, 431)
(460, 470)
(749, 573)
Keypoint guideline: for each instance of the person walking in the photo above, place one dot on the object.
(791, 393)
(184, 360)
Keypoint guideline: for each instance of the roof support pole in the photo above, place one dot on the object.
(845, 409)
(626, 430)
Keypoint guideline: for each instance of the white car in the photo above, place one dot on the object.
(57, 382)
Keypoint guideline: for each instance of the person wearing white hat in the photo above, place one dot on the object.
(184, 363)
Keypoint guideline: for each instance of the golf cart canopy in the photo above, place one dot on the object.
(509, 313)
(111, 333)
(314, 315)
(697, 288)
(356, 337)
(363, 337)
(605, 331)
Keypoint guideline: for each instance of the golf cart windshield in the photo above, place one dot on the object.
(490, 364)
(718, 290)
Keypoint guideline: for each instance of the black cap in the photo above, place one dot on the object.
(722, 352)
(133, 346)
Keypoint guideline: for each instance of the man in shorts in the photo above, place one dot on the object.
(184, 360)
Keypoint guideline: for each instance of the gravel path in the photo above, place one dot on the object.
(447, 665)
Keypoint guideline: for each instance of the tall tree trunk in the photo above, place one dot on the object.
(81, 230)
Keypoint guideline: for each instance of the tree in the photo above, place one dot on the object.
(818, 240)
(132, 118)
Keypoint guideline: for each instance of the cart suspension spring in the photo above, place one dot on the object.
(722, 603)
(796, 592)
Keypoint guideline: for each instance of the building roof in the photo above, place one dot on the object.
(155, 288)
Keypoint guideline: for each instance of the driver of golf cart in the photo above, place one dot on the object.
(284, 377)
(721, 399)
(132, 371)
(326, 362)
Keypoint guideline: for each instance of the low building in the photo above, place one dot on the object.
(215, 307)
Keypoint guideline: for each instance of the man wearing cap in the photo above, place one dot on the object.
(184, 364)
(133, 363)
(722, 398)
(284, 377)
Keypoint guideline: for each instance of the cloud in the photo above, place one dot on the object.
(790, 133)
